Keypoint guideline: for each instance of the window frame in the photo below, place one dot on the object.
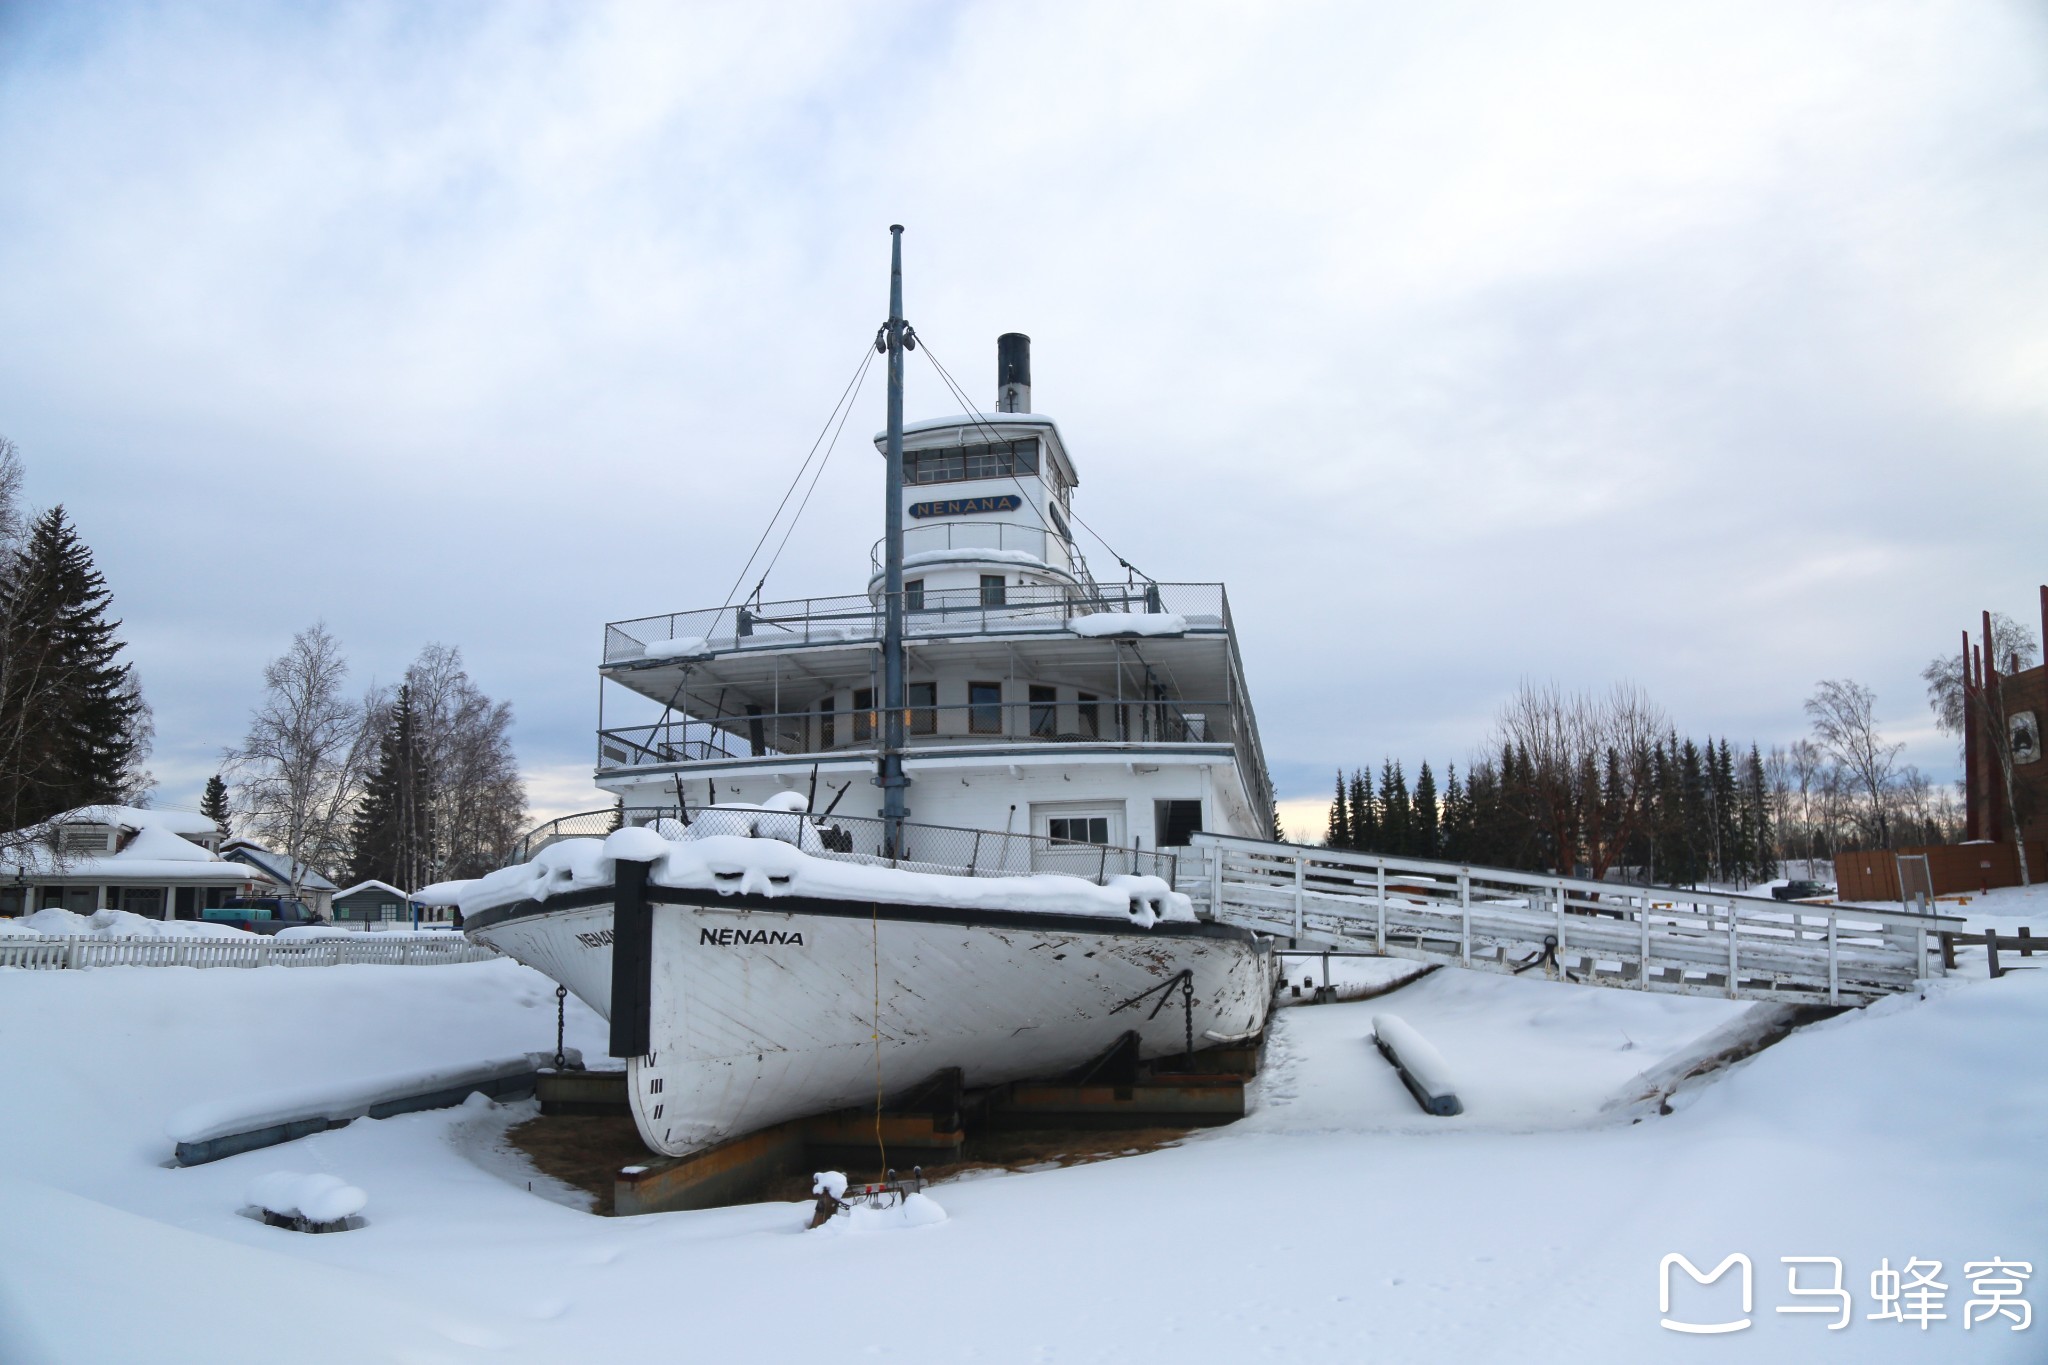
(979, 711)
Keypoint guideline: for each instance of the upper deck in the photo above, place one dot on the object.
(1088, 666)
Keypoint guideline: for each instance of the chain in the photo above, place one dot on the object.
(561, 1009)
(1187, 1008)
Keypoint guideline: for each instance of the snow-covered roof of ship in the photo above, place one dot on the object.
(755, 850)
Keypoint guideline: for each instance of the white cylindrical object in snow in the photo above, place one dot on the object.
(1421, 1066)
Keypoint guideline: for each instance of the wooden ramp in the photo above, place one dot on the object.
(1656, 938)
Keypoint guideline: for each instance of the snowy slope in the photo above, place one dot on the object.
(1337, 1222)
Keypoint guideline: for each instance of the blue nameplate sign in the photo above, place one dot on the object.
(958, 507)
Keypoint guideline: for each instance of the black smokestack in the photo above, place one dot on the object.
(1013, 372)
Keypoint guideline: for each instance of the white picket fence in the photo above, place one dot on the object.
(56, 954)
(1655, 938)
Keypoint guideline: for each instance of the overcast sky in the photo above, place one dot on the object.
(1704, 346)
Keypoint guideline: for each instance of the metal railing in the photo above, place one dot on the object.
(957, 538)
(689, 739)
(857, 619)
(1655, 938)
(392, 950)
(942, 849)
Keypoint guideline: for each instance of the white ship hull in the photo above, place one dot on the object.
(758, 1013)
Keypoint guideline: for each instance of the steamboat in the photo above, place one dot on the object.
(935, 825)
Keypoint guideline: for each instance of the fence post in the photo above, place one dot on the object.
(1300, 895)
(1216, 881)
(1643, 965)
(1379, 879)
(1465, 916)
(1834, 969)
(1731, 949)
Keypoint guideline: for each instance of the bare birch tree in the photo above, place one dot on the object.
(1589, 765)
(1844, 717)
(301, 766)
(479, 797)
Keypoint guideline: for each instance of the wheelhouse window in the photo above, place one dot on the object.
(924, 708)
(992, 594)
(1078, 829)
(913, 595)
(956, 464)
(985, 708)
(1044, 712)
(863, 714)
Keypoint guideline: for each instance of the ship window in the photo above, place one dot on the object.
(1176, 821)
(992, 590)
(1059, 522)
(988, 460)
(924, 708)
(985, 708)
(1088, 715)
(1044, 713)
(1078, 829)
(863, 714)
(913, 595)
(826, 716)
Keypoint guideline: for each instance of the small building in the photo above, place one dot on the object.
(375, 902)
(163, 864)
(315, 890)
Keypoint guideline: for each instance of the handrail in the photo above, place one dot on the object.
(1104, 720)
(856, 619)
(948, 850)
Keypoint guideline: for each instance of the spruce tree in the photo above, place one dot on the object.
(1427, 837)
(1339, 833)
(1365, 814)
(392, 837)
(1396, 826)
(214, 804)
(1455, 841)
(73, 727)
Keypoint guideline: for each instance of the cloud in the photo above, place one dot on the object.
(1700, 345)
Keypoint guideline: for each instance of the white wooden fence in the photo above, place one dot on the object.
(1602, 933)
(142, 951)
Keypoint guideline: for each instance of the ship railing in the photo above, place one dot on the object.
(1029, 546)
(857, 619)
(941, 849)
(1104, 720)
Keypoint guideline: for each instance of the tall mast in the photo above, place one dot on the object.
(891, 778)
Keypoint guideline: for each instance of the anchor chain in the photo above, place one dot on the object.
(1187, 1016)
(561, 1010)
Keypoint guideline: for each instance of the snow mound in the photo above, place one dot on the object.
(315, 1198)
(52, 922)
(1422, 1067)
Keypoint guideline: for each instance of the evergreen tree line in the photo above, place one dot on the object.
(74, 728)
(1671, 810)
(409, 785)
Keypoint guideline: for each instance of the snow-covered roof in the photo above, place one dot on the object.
(276, 864)
(372, 885)
(138, 818)
(155, 856)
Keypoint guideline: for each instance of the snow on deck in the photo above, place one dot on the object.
(1336, 1222)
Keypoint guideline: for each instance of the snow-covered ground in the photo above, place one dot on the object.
(1337, 1222)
